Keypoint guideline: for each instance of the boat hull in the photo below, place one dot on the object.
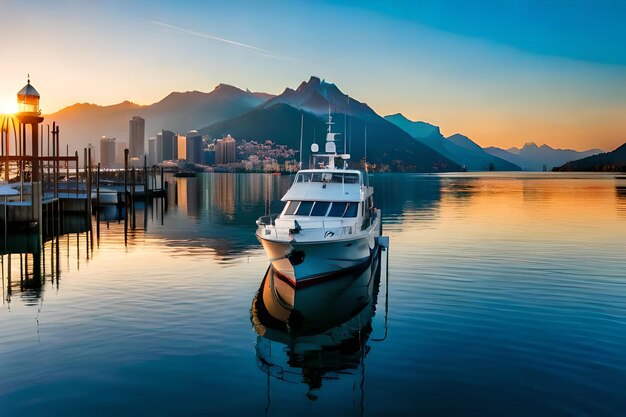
(300, 264)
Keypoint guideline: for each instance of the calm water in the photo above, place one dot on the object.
(506, 296)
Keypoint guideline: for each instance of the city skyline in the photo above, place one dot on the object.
(502, 74)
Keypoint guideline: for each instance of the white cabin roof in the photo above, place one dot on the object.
(325, 191)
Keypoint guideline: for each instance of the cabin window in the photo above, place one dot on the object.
(316, 177)
(352, 210)
(351, 178)
(291, 207)
(320, 208)
(337, 209)
(304, 209)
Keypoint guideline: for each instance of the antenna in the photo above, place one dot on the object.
(367, 177)
(301, 134)
(350, 138)
(345, 127)
(330, 118)
(366, 148)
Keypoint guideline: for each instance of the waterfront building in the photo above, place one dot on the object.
(225, 150)
(158, 158)
(119, 153)
(208, 156)
(194, 147)
(167, 149)
(136, 137)
(152, 151)
(107, 152)
(182, 147)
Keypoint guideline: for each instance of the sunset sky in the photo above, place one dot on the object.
(500, 72)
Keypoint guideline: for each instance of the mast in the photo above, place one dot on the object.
(345, 128)
(366, 148)
(301, 134)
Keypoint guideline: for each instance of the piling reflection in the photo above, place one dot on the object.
(29, 261)
(317, 333)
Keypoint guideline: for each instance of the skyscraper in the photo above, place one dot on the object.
(167, 146)
(194, 147)
(119, 153)
(152, 151)
(136, 137)
(107, 152)
(158, 158)
(225, 150)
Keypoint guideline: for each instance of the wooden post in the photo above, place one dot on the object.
(55, 162)
(89, 180)
(67, 162)
(125, 196)
(145, 192)
(67, 167)
(84, 168)
(89, 222)
(133, 178)
(48, 166)
(98, 203)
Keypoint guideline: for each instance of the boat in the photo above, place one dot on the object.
(185, 174)
(105, 197)
(329, 223)
(322, 333)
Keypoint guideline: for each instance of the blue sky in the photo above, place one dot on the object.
(501, 72)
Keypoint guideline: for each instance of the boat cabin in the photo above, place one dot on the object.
(328, 193)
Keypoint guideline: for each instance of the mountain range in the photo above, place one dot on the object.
(393, 142)
(458, 148)
(279, 120)
(533, 158)
(85, 123)
(614, 161)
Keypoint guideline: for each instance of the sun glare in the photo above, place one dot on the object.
(8, 106)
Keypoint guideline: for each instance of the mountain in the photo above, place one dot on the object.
(457, 148)
(278, 119)
(386, 143)
(532, 157)
(508, 156)
(428, 134)
(614, 161)
(85, 123)
(315, 96)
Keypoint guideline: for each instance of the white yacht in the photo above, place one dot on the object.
(329, 223)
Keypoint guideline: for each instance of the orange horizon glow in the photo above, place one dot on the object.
(8, 106)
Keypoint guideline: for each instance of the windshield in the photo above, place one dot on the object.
(328, 177)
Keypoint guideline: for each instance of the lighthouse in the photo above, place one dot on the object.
(29, 117)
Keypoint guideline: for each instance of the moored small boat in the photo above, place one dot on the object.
(329, 223)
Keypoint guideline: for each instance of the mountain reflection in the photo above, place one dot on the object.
(320, 332)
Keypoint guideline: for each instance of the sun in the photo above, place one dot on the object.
(8, 106)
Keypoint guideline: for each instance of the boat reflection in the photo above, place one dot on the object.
(319, 332)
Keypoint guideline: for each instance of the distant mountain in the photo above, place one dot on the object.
(457, 148)
(614, 161)
(508, 156)
(85, 123)
(386, 143)
(532, 157)
(315, 95)
(428, 134)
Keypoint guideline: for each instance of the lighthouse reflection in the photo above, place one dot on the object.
(316, 333)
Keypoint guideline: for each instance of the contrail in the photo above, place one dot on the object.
(215, 38)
